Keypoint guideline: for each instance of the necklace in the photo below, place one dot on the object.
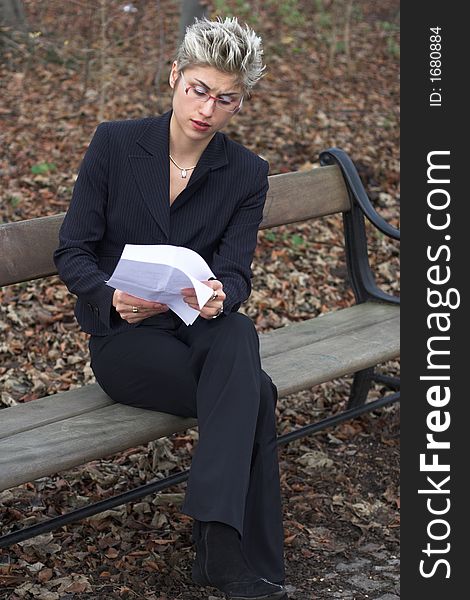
(184, 171)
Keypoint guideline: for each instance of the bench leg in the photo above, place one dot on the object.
(362, 382)
(360, 387)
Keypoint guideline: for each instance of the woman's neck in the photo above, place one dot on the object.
(183, 148)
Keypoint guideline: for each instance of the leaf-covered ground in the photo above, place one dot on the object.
(332, 80)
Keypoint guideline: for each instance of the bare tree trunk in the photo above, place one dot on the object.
(189, 10)
(347, 35)
(333, 42)
(103, 81)
(159, 73)
(12, 15)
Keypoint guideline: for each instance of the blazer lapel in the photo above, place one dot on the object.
(213, 157)
(151, 170)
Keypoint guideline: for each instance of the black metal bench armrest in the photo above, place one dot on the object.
(360, 274)
(349, 171)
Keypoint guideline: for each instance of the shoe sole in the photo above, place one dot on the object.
(277, 596)
(199, 579)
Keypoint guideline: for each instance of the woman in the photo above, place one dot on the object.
(176, 179)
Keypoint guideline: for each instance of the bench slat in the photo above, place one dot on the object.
(32, 454)
(91, 397)
(297, 335)
(93, 434)
(322, 361)
(26, 247)
(304, 195)
(40, 412)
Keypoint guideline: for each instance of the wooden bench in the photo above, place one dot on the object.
(70, 428)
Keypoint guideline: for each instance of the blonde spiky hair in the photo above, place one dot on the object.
(225, 45)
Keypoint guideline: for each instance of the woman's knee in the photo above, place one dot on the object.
(226, 335)
(239, 329)
(231, 322)
(240, 322)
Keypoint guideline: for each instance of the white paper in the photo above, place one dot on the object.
(159, 272)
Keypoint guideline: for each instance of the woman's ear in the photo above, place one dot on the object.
(173, 74)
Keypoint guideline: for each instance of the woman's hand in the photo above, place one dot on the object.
(212, 308)
(134, 310)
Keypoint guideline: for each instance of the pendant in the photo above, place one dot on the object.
(183, 173)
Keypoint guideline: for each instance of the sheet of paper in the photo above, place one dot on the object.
(159, 272)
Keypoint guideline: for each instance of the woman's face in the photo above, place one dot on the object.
(195, 119)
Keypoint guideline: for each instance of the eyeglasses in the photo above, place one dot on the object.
(229, 103)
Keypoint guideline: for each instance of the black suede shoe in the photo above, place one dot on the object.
(220, 563)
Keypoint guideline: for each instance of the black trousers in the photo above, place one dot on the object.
(210, 370)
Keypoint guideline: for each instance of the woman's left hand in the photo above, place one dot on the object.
(212, 308)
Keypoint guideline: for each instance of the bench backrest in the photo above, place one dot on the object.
(26, 247)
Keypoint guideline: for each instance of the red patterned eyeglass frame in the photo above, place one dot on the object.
(205, 96)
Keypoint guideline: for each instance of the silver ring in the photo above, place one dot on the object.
(135, 309)
(214, 296)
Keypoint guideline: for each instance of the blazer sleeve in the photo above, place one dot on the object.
(234, 255)
(83, 228)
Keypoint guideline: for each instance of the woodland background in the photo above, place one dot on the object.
(332, 80)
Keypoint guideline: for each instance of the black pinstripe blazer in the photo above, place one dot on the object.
(122, 196)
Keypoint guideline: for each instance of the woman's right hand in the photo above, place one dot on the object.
(133, 309)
